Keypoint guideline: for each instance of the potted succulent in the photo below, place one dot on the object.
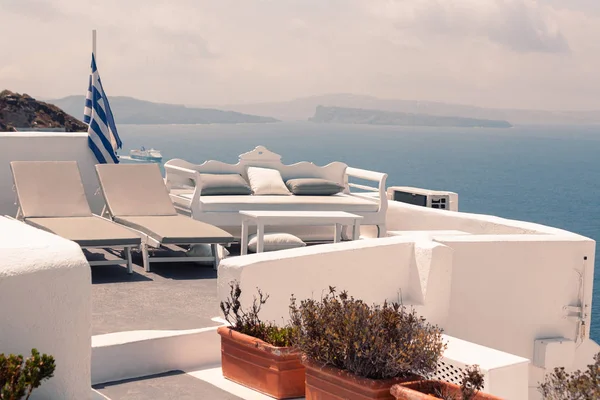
(469, 389)
(353, 350)
(257, 354)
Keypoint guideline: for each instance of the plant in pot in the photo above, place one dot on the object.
(578, 385)
(353, 350)
(471, 383)
(257, 354)
(19, 376)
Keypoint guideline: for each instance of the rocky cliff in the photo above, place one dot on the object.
(22, 111)
(128, 110)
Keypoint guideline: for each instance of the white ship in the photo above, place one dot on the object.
(146, 155)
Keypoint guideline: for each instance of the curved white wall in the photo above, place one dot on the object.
(408, 217)
(46, 146)
(375, 270)
(503, 285)
(45, 292)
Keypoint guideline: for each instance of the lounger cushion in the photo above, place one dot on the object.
(88, 231)
(50, 189)
(266, 181)
(224, 184)
(313, 187)
(134, 190)
(176, 229)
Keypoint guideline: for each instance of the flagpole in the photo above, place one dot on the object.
(94, 43)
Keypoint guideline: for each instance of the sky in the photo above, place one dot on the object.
(531, 54)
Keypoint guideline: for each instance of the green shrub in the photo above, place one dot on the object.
(376, 342)
(578, 385)
(19, 376)
(248, 322)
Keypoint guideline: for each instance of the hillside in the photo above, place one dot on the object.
(23, 111)
(304, 108)
(128, 110)
(378, 117)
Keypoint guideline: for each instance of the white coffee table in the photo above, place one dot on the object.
(295, 218)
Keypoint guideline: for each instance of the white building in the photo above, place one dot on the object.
(512, 296)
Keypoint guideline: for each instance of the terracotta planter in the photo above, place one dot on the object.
(427, 390)
(328, 383)
(274, 371)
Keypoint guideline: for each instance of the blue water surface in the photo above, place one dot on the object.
(548, 175)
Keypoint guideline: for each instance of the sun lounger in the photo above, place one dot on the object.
(51, 197)
(136, 197)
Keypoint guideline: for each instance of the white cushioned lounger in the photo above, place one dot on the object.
(51, 197)
(136, 197)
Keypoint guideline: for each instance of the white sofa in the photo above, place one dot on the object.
(184, 181)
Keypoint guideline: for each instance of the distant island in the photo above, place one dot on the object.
(301, 109)
(128, 110)
(377, 117)
(21, 111)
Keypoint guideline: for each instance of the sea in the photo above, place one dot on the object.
(543, 174)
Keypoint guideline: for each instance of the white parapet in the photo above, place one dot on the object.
(46, 146)
(132, 354)
(45, 292)
(392, 269)
(516, 287)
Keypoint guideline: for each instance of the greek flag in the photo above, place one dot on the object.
(103, 138)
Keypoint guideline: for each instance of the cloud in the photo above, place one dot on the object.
(508, 53)
(520, 25)
(38, 9)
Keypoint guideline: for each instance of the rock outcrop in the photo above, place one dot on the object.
(128, 110)
(22, 112)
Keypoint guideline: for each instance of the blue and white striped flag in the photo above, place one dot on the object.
(103, 138)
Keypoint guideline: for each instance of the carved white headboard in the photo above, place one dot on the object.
(262, 157)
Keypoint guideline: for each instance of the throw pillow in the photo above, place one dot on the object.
(313, 187)
(275, 241)
(224, 184)
(266, 181)
(204, 250)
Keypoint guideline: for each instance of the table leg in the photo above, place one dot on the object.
(260, 237)
(338, 233)
(244, 238)
(215, 251)
(356, 230)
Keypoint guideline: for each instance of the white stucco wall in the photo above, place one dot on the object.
(132, 354)
(504, 291)
(46, 146)
(390, 269)
(45, 294)
(408, 217)
(508, 290)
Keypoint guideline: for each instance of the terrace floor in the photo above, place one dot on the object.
(168, 385)
(173, 296)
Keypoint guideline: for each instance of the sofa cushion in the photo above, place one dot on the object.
(313, 187)
(224, 184)
(275, 241)
(336, 202)
(266, 181)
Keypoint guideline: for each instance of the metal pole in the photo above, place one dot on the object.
(94, 43)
